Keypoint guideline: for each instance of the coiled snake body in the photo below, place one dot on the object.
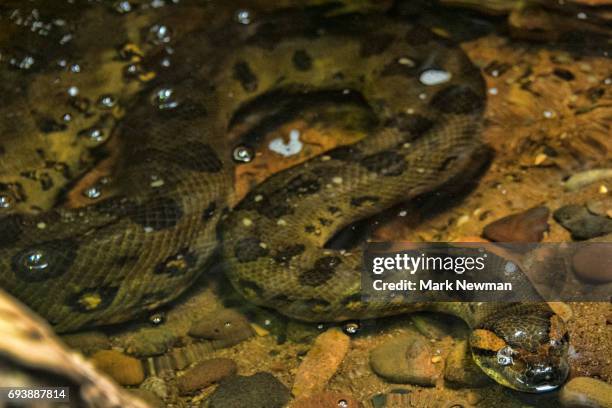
(140, 248)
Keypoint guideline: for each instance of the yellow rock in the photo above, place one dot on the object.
(321, 362)
(124, 369)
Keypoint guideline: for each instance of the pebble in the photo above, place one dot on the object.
(205, 373)
(581, 223)
(149, 397)
(150, 341)
(87, 342)
(433, 326)
(327, 399)
(580, 180)
(157, 386)
(321, 362)
(124, 369)
(527, 226)
(405, 359)
(460, 368)
(260, 390)
(586, 392)
(226, 328)
(593, 262)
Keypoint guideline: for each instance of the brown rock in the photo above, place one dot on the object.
(226, 328)
(585, 392)
(528, 226)
(593, 262)
(327, 399)
(405, 359)
(124, 369)
(321, 362)
(87, 342)
(206, 373)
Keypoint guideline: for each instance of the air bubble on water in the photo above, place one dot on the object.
(36, 261)
(123, 7)
(93, 134)
(106, 101)
(351, 328)
(243, 16)
(267, 322)
(406, 61)
(243, 154)
(25, 63)
(66, 117)
(158, 3)
(62, 63)
(157, 318)
(581, 16)
(422, 96)
(164, 99)
(6, 201)
(75, 68)
(343, 404)
(165, 62)
(493, 91)
(510, 267)
(432, 77)
(159, 34)
(66, 38)
(92, 192)
(608, 81)
(403, 213)
(548, 114)
(148, 229)
(156, 181)
(73, 91)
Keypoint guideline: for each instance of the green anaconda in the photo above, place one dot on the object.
(148, 241)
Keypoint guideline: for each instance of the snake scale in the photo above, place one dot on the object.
(148, 241)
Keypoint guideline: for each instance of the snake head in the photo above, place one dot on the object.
(523, 348)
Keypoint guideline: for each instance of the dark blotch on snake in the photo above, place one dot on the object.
(359, 201)
(251, 286)
(322, 271)
(301, 60)
(415, 125)
(92, 299)
(158, 213)
(458, 99)
(209, 211)
(10, 227)
(176, 264)
(386, 163)
(284, 255)
(302, 185)
(344, 153)
(249, 249)
(246, 77)
(375, 44)
(419, 35)
(395, 68)
(49, 125)
(197, 156)
(58, 255)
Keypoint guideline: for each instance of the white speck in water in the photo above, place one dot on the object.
(156, 181)
(287, 149)
(510, 267)
(66, 38)
(75, 68)
(343, 404)
(94, 135)
(493, 91)
(247, 222)
(123, 7)
(41, 225)
(67, 117)
(608, 81)
(243, 16)
(148, 229)
(107, 101)
(258, 198)
(325, 158)
(432, 77)
(351, 328)
(243, 154)
(422, 96)
(403, 213)
(548, 114)
(165, 62)
(337, 180)
(581, 16)
(406, 61)
(159, 34)
(73, 91)
(267, 322)
(164, 99)
(6, 201)
(281, 222)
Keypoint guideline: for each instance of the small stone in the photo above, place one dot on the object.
(436, 359)
(586, 392)
(149, 397)
(157, 386)
(150, 341)
(581, 223)
(593, 262)
(205, 373)
(261, 390)
(405, 359)
(226, 328)
(433, 326)
(321, 362)
(124, 369)
(527, 226)
(460, 368)
(87, 342)
(327, 399)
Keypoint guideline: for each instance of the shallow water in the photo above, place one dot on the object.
(73, 73)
